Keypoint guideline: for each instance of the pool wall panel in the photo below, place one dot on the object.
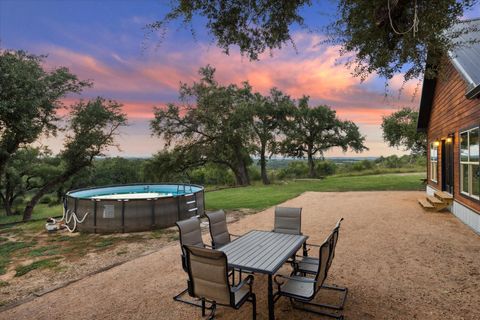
(166, 212)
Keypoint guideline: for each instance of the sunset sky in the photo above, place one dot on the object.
(105, 41)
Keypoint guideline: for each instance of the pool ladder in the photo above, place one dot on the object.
(190, 199)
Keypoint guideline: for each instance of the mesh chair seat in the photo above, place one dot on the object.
(297, 287)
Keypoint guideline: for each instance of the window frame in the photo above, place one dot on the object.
(433, 168)
(468, 163)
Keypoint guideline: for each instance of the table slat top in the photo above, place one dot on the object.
(262, 251)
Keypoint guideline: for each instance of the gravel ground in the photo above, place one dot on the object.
(397, 261)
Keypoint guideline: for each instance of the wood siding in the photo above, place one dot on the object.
(451, 113)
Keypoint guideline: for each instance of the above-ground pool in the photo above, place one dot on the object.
(135, 207)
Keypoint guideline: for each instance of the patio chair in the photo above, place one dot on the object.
(208, 281)
(190, 233)
(307, 264)
(303, 290)
(288, 220)
(219, 233)
(218, 229)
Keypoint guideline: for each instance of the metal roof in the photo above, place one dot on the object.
(466, 58)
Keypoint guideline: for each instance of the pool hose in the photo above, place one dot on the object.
(68, 215)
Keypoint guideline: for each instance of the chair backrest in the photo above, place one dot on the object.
(334, 240)
(288, 220)
(323, 258)
(190, 233)
(218, 228)
(208, 274)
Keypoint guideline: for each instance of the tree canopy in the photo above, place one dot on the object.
(267, 114)
(311, 131)
(92, 128)
(384, 36)
(400, 130)
(213, 128)
(29, 100)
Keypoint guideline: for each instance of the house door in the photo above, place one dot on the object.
(447, 164)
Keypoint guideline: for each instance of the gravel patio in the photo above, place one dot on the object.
(397, 261)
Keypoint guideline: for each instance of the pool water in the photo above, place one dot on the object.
(148, 191)
(143, 195)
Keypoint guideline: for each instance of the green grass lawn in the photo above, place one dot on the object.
(41, 211)
(259, 197)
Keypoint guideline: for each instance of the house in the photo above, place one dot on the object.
(450, 115)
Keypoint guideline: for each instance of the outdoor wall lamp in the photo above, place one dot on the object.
(449, 140)
(436, 143)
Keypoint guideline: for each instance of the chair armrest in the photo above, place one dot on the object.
(312, 245)
(235, 235)
(309, 262)
(247, 281)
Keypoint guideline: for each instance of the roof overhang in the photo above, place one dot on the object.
(466, 61)
(428, 91)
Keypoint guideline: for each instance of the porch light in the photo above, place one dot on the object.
(436, 143)
(449, 140)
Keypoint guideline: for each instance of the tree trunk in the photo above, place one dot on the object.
(7, 204)
(241, 173)
(311, 166)
(27, 212)
(8, 208)
(263, 166)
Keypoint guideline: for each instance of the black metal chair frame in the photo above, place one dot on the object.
(179, 296)
(294, 299)
(250, 297)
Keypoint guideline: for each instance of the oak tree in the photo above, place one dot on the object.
(212, 125)
(311, 131)
(400, 130)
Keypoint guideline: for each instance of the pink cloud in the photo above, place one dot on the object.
(140, 83)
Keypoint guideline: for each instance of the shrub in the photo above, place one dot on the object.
(212, 175)
(299, 169)
(254, 173)
(325, 168)
(45, 200)
(295, 169)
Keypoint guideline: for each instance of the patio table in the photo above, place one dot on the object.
(263, 252)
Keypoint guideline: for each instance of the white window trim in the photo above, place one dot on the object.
(432, 146)
(469, 166)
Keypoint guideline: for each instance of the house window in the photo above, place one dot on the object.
(433, 161)
(469, 163)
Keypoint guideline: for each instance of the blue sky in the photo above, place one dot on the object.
(105, 41)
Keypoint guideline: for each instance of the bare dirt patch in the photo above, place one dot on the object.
(49, 260)
(397, 261)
